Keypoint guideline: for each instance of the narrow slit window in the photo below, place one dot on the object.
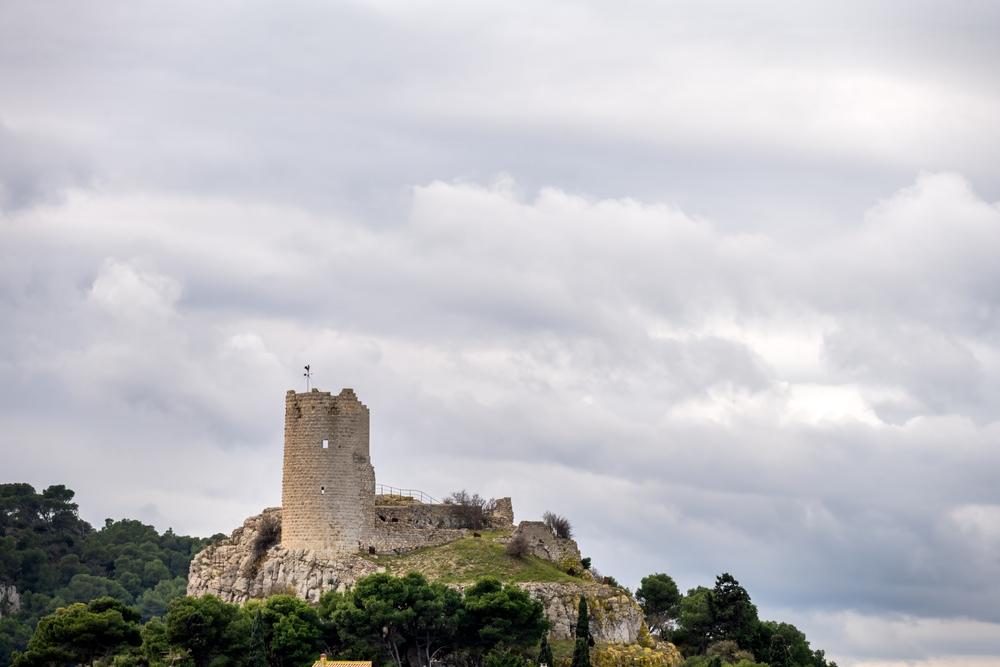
(322, 490)
(326, 444)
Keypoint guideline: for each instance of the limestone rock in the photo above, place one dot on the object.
(231, 570)
(543, 543)
(614, 615)
(10, 600)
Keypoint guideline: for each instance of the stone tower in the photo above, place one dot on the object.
(328, 482)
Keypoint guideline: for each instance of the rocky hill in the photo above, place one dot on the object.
(252, 564)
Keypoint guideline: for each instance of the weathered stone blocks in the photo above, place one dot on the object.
(328, 482)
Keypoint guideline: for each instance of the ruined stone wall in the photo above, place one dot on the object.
(420, 516)
(388, 538)
(503, 513)
(440, 515)
(543, 543)
(401, 528)
(327, 493)
(404, 527)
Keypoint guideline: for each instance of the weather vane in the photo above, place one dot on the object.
(308, 376)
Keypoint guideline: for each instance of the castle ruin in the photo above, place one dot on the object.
(328, 482)
(334, 526)
(328, 499)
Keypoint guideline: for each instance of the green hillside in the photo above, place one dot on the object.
(472, 558)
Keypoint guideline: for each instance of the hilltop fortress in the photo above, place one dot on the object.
(328, 500)
(333, 528)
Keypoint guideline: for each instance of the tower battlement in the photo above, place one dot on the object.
(328, 482)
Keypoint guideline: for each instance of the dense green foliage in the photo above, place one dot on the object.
(55, 559)
(716, 627)
(82, 633)
(660, 600)
(115, 597)
(402, 621)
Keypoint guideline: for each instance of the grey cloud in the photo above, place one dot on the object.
(400, 95)
(34, 170)
(716, 316)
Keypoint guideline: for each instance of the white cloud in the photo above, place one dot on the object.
(132, 294)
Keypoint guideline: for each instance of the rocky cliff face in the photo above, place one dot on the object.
(614, 615)
(246, 566)
(10, 600)
(543, 543)
(251, 564)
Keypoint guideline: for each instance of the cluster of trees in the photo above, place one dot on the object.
(401, 621)
(473, 510)
(115, 596)
(55, 559)
(719, 626)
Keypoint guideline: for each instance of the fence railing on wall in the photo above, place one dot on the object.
(416, 494)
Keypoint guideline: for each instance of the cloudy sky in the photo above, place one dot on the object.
(717, 280)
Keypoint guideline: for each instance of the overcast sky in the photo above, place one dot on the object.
(719, 281)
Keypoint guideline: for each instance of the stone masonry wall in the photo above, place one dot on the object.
(404, 527)
(420, 516)
(401, 538)
(327, 493)
(503, 513)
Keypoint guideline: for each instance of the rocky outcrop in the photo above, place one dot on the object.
(245, 566)
(615, 616)
(10, 600)
(543, 543)
(251, 564)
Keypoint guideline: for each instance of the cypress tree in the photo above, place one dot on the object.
(581, 650)
(545, 652)
(258, 657)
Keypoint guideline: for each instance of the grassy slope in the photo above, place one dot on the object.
(469, 559)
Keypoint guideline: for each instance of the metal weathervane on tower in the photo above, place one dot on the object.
(308, 376)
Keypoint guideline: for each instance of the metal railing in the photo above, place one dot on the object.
(416, 494)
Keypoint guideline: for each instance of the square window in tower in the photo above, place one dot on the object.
(326, 444)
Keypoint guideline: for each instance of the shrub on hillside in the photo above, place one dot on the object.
(268, 534)
(473, 511)
(559, 525)
(518, 546)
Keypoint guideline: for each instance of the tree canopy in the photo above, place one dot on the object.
(54, 559)
(660, 600)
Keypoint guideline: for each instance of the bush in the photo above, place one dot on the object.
(559, 525)
(268, 534)
(505, 658)
(474, 511)
(518, 546)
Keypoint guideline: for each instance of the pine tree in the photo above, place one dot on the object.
(581, 651)
(545, 653)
